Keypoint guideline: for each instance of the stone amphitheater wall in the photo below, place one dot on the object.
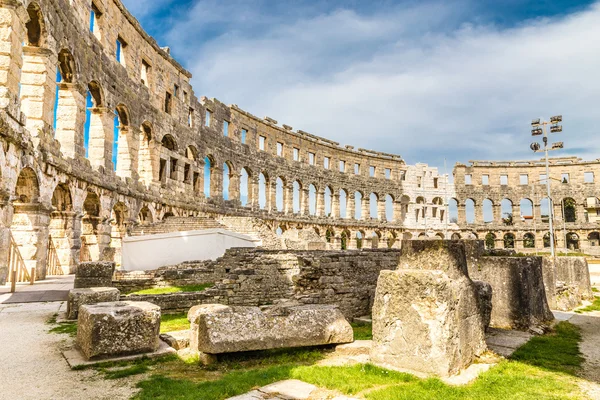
(100, 130)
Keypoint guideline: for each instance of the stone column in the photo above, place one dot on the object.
(70, 120)
(234, 186)
(462, 216)
(336, 206)
(350, 203)
(381, 208)
(321, 203)
(30, 231)
(253, 188)
(304, 201)
(288, 198)
(216, 181)
(127, 151)
(272, 195)
(38, 88)
(6, 215)
(364, 209)
(13, 17)
(65, 234)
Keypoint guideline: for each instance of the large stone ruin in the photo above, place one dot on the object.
(80, 297)
(427, 315)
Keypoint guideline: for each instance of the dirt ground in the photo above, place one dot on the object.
(32, 366)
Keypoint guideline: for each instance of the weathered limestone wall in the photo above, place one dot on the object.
(62, 187)
(521, 187)
(261, 277)
(567, 282)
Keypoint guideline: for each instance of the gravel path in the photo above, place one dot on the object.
(33, 367)
(590, 347)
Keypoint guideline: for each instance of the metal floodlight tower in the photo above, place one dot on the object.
(539, 127)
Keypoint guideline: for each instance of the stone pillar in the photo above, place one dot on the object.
(65, 236)
(364, 208)
(304, 201)
(216, 181)
(234, 186)
(462, 216)
(350, 204)
(70, 120)
(336, 206)
(102, 122)
(29, 228)
(38, 88)
(12, 33)
(253, 188)
(381, 208)
(127, 154)
(320, 203)
(6, 215)
(398, 214)
(288, 198)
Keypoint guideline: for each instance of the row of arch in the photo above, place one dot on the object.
(489, 210)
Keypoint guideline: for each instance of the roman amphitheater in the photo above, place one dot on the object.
(105, 146)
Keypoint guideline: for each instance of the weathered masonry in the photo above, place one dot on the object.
(100, 131)
(506, 204)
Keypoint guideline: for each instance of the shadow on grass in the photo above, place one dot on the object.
(558, 351)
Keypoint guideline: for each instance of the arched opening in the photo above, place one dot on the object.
(191, 174)
(373, 206)
(546, 239)
(375, 236)
(207, 175)
(145, 169)
(470, 211)
(327, 196)
(569, 210)
(123, 148)
(359, 239)
(594, 239)
(262, 191)
(389, 208)
(545, 210)
(69, 117)
(168, 159)
(405, 202)
(357, 205)
(509, 241)
(455, 236)
(344, 240)
(529, 241)
(407, 236)
(507, 211)
(488, 211)
(279, 231)
(453, 211)
(145, 216)
(420, 209)
(64, 231)
(343, 196)
(296, 188)
(94, 136)
(490, 241)
(526, 207)
(573, 241)
(391, 241)
(119, 224)
(244, 187)
(29, 227)
(169, 143)
(226, 180)
(437, 209)
(439, 236)
(329, 235)
(279, 194)
(312, 199)
(34, 26)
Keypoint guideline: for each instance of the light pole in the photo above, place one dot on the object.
(539, 127)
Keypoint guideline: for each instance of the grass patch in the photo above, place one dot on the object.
(595, 306)
(558, 351)
(174, 322)
(362, 331)
(595, 289)
(541, 369)
(68, 328)
(175, 289)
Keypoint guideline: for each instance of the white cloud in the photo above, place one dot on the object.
(397, 80)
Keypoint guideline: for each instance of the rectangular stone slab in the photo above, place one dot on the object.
(118, 328)
(79, 297)
(217, 328)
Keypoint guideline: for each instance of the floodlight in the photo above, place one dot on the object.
(536, 131)
(558, 145)
(535, 122)
(535, 146)
(556, 119)
(555, 128)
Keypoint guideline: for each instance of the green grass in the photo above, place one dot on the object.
(69, 328)
(595, 306)
(541, 369)
(362, 331)
(175, 289)
(174, 322)
(595, 289)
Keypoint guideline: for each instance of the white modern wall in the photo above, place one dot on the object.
(154, 251)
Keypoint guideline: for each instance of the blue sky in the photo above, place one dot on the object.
(428, 80)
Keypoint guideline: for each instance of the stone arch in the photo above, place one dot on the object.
(407, 236)
(96, 93)
(391, 240)
(329, 235)
(263, 190)
(404, 204)
(389, 207)
(453, 211)
(569, 207)
(375, 238)
(470, 211)
(374, 206)
(358, 205)
(360, 236)
(343, 203)
(506, 210)
(437, 210)
(328, 201)
(228, 169)
(297, 197)
(145, 163)
(95, 132)
(66, 66)
(488, 211)
(312, 199)
(245, 186)
(509, 240)
(28, 187)
(439, 236)
(594, 239)
(456, 236)
(61, 198)
(145, 216)
(169, 143)
(526, 209)
(529, 240)
(572, 241)
(490, 241)
(344, 237)
(280, 193)
(124, 148)
(35, 27)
